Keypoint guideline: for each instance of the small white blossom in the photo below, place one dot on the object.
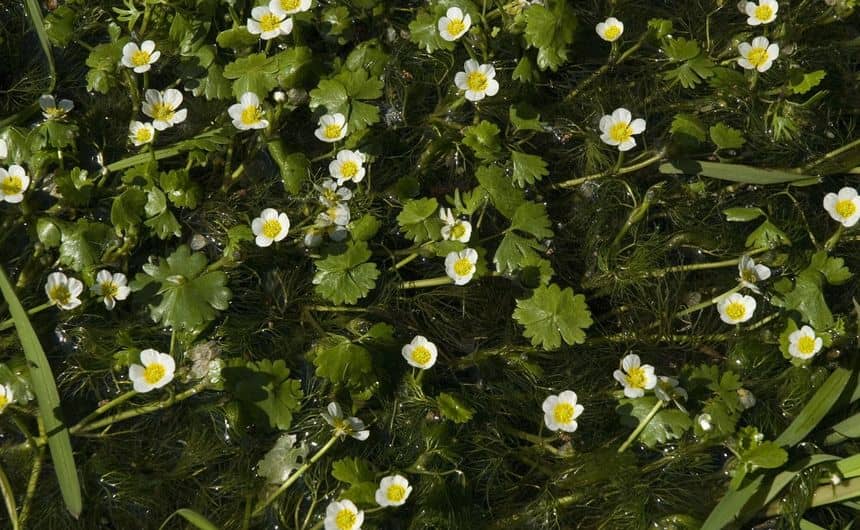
(460, 266)
(247, 114)
(393, 491)
(844, 206)
(4, 149)
(348, 166)
(289, 7)
(343, 515)
(752, 273)
(667, 389)
(7, 397)
(53, 110)
(478, 80)
(804, 343)
(619, 127)
(269, 23)
(156, 371)
(13, 183)
(560, 411)
(635, 377)
(610, 30)
(331, 127)
(746, 398)
(332, 193)
(282, 459)
(736, 308)
(111, 287)
(763, 12)
(344, 426)
(141, 133)
(163, 108)
(454, 24)
(140, 58)
(420, 353)
(454, 229)
(64, 291)
(704, 421)
(271, 226)
(759, 55)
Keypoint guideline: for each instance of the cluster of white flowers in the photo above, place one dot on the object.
(274, 20)
(65, 292)
(163, 108)
(393, 491)
(335, 217)
(13, 183)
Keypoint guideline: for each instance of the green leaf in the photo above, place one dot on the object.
(294, 167)
(742, 215)
(688, 128)
(731, 172)
(346, 277)
(660, 27)
(164, 225)
(330, 94)
(767, 455)
(453, 408)
(362, 115)
(802, 82)
(423, 32)
(236, 38)
(667, 425)
(344, 362)
(767, 235)
(180, 189)
(283, 395)
(551, 315)
(691, 73)
(515, 252)
(419, 220)
(126, 211)
(369, 55)
(292, 65)
(360, 85)
(528, 168)
(525, 71)
(48, 232)
(531, 217)
(60, 25)
(524, 118)
(680, 49)
(833, 268)
(82, 244)
(253, 73)
(190, 296)
(726, 137)
(200, 522)
(483, 139)
(364, 228)
(504, 196)
(551, 32)
(48, 399)
(806, 296)
(103, 61)
(815, 409)
(361, 477)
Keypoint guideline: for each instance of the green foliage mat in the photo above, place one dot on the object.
(503, 231)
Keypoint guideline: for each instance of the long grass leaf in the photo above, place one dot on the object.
(9, 499)
(48, 399)
(192, 517)
(34, 11)
(735, 172)
(816, 408)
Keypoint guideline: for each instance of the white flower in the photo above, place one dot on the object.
(610, 30)
(667, 389)
(4, 149)
(843, 207)
(289, 7)
(704, 421)
(140, 58)
(282, 459)
(13, 183)
(343, 515)
(247, 114)
(53, 110)
(157, 370)
(759, 55)
(460, 266)
(746, 398)
(750, 273)
(335, 215)
(454, 229)
(111, 287)
(163, 108)
(332, 194)
(420, 353)
(454, 24)
(393, 491)
(141, 133)
(804, 343)
(619, 127)
(736, 308)
(478, 80)
(636, 378)
(269, 24)
(348, 166)
(270, 226)
(63, 291)
(332, 127)
(351, 425)
(561, 411)
(7, 397)
(762, 13)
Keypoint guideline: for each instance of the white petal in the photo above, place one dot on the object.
(454, 13)
(622, 115)
(637, 125)
(744, 49)
(760, 42)
(630, 361)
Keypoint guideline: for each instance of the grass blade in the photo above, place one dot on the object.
(735, 172)
(48, 399)
(34, 11)
(816, 409)
(192, 517)
(730, 506)
(9, 499)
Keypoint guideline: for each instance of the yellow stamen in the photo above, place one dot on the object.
(736, 310)
(636, 377)
(612, 33)
(563, 413)
(763, 12)
(270, 22)
(345, 519)
(271, 228)
(140, 58)
(455, 27)
(621, 132)
(162, 111)
(109, 289)
(332, 131)
(290, 5)
(421, 355)
(251, 115)
(758, 56)
(463, 267)
(143, 135)
(60, 294)
(11, 185)
(806, 345)
(458, 231)
(846, 208)
(349, 169)
(476, 81)
(154, 373)
(396, 493)
(3, 401)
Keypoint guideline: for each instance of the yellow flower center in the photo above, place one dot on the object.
(270, 22)
(54, 112)
(456, 26)
(162, 111)
(846, 208)
(563, 413)
(636, 377)
(271, 228)
(349, 169)
(621, 132)
(806, 345)
(12, 185)
(396, 493)
(477, 82)
(154, 373)
(458, 231)
(60, 294)
(143, 135)
(3, 401)
(332, 131)
(612, 32)
(421, 355)
(290, 5)
(763, 12)
(345, 519)
(140, 58)
(251, 115)
(736, 310)
(109, 289)
(463, 267)
(758, 56)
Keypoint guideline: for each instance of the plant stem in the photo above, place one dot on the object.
(658, 156)
(9, 499)
(535, 439)
(428, 282)
(831, 154)
(11, 322)
(405, 261)
(337, 309)
(708, 303)
(659, 273)
(834, 239)
(295, 476)
(642, 424)
(122, 398)
(31, 486)
(605, 68)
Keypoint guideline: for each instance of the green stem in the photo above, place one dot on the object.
(122, 398)
(621, 171)
(337, 309)
(405, 261)
(605, 68)
(295, 476)
(708, 303)
(642, 424)
(831, 154)
(39, 308)
(9, 499)
(428, 282)
(834, 239)
(659, 273)
(535, 439)
(31, 486)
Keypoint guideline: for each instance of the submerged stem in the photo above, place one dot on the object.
(658, 156)
(642, 424)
